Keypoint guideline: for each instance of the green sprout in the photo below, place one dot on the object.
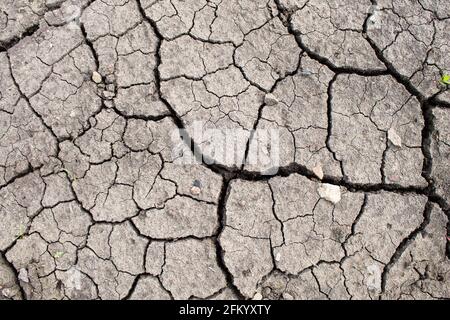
(69, 174)
(21, 232)
(445, 79)
(58, 254)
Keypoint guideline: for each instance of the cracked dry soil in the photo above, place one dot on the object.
(93, 204)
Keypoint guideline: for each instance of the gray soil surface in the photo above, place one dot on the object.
(95, 203)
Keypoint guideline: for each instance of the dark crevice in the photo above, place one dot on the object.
(330, 123)
(405, 81)
(27, 100)
(383, 160)
(22, 174)
(90, 45)
(295, 168)
(217, 168)
(322, 60)
(353, 227)
(23, 295)
(221, 212)
(404, 245)
(261, 108)
(133, 286)
(427, 134)
(5, 46)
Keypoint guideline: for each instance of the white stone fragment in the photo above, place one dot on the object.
(318, 171)
(257, 296)
(23, 275)
(6, 293)
(330, 192)
(270, 99)
(195, 190)
(287, 296)
(394, 138)
(96, 77)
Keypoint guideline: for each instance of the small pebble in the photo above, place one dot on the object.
(96, 77)
(317, 170)
(257, 296)
(53, 3)
(195, 190)
(23, 275)
(394, 138)
(270, 99)
(287, 296)
(108, 95)
(278, 257)
(330, 192)
(6, 293)
(394, 178)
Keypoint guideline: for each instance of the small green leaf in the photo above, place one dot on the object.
(445, 79)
